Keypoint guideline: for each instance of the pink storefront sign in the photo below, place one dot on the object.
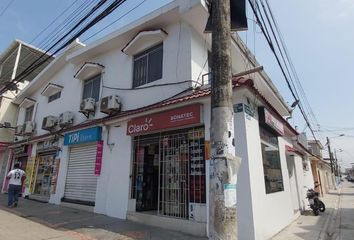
(99, 153)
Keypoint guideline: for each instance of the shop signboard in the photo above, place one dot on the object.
(33, 176)
(29, 173)
(99, 153)
(20, 150)
(47, 145)
(197, 166)
(83, 136)
(166, 120)
(269, 120)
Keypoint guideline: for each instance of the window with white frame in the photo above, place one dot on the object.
(29, 113)
(92, 88)
(148, 66)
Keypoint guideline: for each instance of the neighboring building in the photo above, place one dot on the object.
(13, 61)
(301, 177)
(324, 179)
(123, 126)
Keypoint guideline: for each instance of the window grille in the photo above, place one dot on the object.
(53, 97)
(92, 88)
(29, 113)
(148, 66)
(181, 172)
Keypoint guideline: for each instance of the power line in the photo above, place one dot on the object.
(7, 6)
(108, 10)
(297, 80)
(72, 18)
(52, 22)
(266, 34)
(110, 24)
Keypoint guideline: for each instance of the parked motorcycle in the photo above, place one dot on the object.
(315, 203)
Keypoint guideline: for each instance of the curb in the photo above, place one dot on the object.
(330, 221)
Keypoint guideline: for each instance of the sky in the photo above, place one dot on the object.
(318, 35)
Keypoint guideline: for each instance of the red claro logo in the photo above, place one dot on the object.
(138, 128)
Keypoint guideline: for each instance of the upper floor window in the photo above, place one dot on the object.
(148, 66)
(92, 88)
(29, 113)
(53, 97)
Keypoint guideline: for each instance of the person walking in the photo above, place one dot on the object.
(16, 178)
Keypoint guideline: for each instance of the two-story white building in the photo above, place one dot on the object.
(123, 125)
(13, 61)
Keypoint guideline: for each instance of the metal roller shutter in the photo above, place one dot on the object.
(81, 181)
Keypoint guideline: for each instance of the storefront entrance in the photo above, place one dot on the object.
(169, 172)
(45, 169)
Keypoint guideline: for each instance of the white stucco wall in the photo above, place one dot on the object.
(260, 215)
(113, 184)
(246, 141)
(118, 74)
(8, 113)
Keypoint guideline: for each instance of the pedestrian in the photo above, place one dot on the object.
(16, 178)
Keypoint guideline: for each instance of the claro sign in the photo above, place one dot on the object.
(170, 119)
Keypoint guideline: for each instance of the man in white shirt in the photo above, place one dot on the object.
(16, 178)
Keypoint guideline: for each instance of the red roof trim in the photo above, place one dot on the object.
(236, 83)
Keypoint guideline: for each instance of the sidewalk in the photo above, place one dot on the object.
(336, 223)
(34, 221)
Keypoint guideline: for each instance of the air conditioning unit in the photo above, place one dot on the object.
(49, 122)
(19, 129)
(87, 105)
(28, 128)
(110, 104)
(66, 119)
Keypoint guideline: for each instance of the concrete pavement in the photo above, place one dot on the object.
(39, 221)
(337, 223)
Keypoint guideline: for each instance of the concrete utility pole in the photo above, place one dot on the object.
(336, 163)
(223, 165)
(330, 154)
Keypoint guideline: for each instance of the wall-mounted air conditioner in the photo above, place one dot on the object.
(28, 128)
(66, 119)
(110, 104)
(87, 105)
(49, 123)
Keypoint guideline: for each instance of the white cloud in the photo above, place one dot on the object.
(334, 11)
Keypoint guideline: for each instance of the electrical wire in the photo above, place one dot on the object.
(108, 10)
(110, 24)
(7, 7)
(266, 34)
(52, 22)
(73, 17)
(296, 77)
(152, 86)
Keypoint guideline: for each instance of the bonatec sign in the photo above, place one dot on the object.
(174, 118)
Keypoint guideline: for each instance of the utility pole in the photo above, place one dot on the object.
(224, 165)
(330, 154)
(335, 163)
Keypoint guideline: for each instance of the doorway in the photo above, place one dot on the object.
(43, 175)
(145, 174)
(294, 188)
(168, 172)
